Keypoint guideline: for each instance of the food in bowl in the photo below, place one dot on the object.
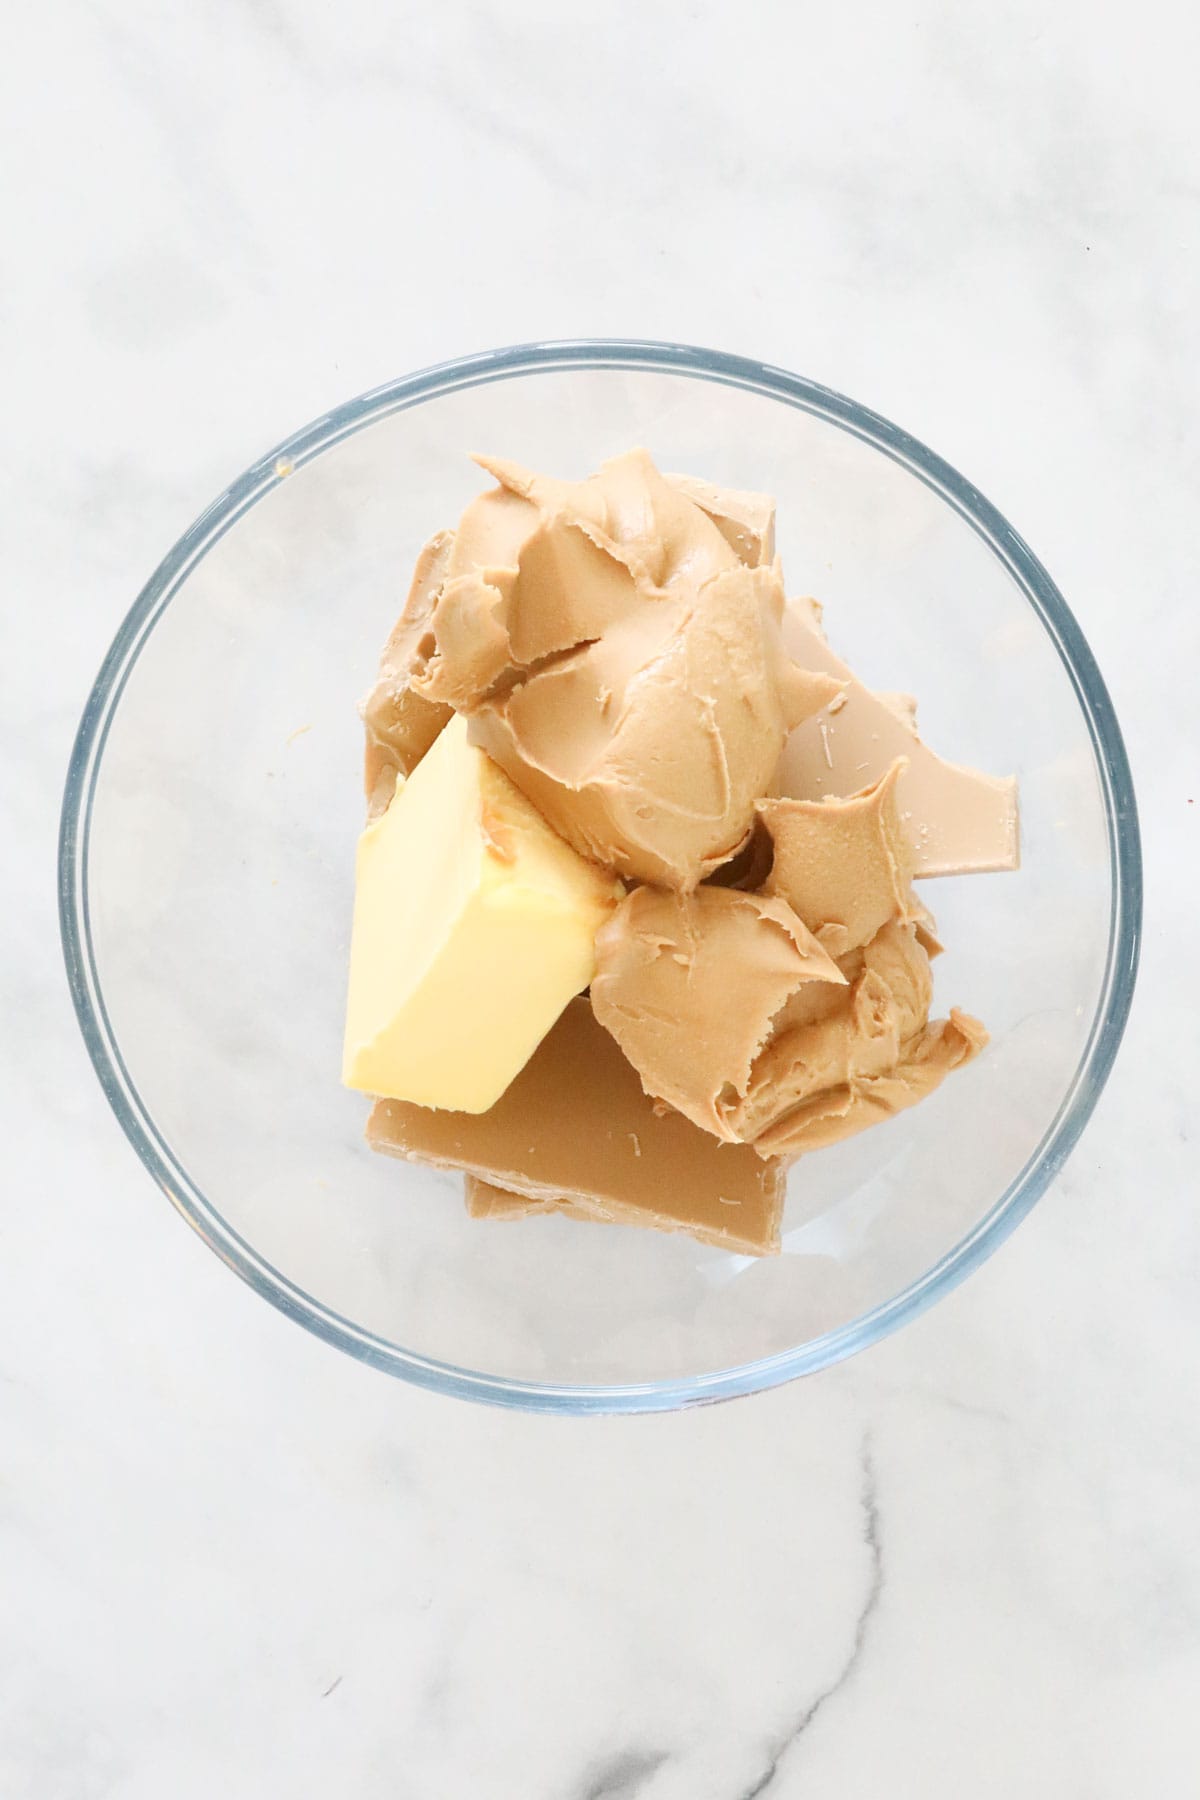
(635, 924)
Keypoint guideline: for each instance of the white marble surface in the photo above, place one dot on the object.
(234, 1562)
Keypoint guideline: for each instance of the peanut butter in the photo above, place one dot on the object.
(401, 723)
(740, 1010)
(843, 865)
(616, 644)
(689, 985)
(746, 521)
(839, 1112)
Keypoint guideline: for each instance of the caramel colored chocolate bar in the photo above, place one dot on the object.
(576, 1126)
(485, 1201)
(958, 821)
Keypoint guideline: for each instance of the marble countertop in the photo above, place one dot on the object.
(233, 1561)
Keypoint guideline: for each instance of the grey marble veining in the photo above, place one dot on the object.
(234, 1562)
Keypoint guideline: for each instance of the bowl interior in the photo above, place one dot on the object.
(219, 805)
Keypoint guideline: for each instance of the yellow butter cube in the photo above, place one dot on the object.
(474, 925)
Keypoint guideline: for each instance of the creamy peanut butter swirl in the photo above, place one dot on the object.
(844, 865)
(690, 984)
(616, 643)
(796, 1016)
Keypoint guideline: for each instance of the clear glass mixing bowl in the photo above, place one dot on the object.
(208, 835)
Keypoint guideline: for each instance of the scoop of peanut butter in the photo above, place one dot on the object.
(400, 722)
(616, 643)
(793, 1017)
(690, 984)
(844, 865)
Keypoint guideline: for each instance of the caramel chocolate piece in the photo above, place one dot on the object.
(576, 1125)
(957, 820)
(486, 1201)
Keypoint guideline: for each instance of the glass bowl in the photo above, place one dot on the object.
(207, 854)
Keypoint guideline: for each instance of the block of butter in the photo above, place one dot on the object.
(474, 925)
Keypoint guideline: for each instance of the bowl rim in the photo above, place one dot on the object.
(1124, 845)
